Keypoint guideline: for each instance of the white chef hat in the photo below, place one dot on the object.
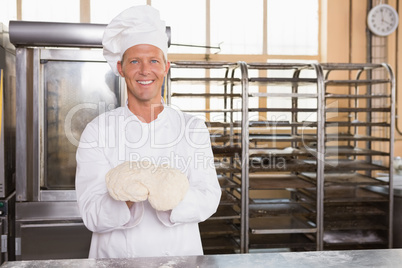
(134, 26)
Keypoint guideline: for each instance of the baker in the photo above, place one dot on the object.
(143, 131)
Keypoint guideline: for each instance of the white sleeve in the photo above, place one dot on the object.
(99, 211)
(203, 196)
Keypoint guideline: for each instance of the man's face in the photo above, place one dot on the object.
(143, 68)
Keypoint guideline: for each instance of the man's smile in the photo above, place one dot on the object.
(145, 82)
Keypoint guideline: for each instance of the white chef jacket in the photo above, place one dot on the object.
(173, 138)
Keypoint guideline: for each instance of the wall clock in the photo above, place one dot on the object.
(382, 20)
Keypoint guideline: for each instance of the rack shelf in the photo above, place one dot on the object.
(216, 92)
(298, 147)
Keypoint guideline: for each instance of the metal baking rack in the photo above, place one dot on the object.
(297, 148)
(359, 146)
(282, 99)
(216, 92)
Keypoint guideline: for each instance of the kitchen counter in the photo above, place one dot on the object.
(348, 258)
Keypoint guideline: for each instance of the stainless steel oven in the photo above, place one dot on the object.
(60, 88)
(7, 145)
(69, 88)
(7, 114)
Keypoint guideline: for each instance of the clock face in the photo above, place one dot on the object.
(382, 20)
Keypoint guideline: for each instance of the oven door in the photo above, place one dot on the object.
(70, 87)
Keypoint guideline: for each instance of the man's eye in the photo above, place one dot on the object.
(134, 61)
(154, 61)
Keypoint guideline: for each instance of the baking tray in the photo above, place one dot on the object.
(353, 137)
(228, 199)
(281, 138)
(353, 224)
(280, 225)
(296, 165)
(217, 137)
(204, 80)
(224, 125)
(351, 194)
(218, 228)
(349, 165)
(280, 207)
(291, 241)
(277, 181)
(355, 83)
(345, 195)
(349, 150)
(216, 244)
(226, 150)
(345, 210)
(345, 178)
(225, 182)
(353, 237)
(355, 123)
(225, 212)
(357, 96)
(207, 95)
(285, 81)
(285, 152)
(226, 168)
(276, 124)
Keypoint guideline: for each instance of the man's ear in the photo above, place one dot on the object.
(167, 67)
(119, 68)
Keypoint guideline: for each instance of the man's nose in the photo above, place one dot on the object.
(145, 69)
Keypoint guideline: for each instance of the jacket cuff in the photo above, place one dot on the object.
(186, 210)
(164, 217)
(137, 213)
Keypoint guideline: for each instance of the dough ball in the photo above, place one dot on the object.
(124, 184)
(167, 187)
(163, 186)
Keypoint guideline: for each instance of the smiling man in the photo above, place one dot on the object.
(145, 131)
(144, 68)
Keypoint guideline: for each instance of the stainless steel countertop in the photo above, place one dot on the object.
(347, 258)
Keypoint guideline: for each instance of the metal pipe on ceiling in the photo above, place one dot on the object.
(33, 33)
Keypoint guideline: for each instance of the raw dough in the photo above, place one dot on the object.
(164, 186)
(124, 183)
(167, 187)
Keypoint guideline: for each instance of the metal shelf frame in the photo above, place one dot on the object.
(322, 158)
